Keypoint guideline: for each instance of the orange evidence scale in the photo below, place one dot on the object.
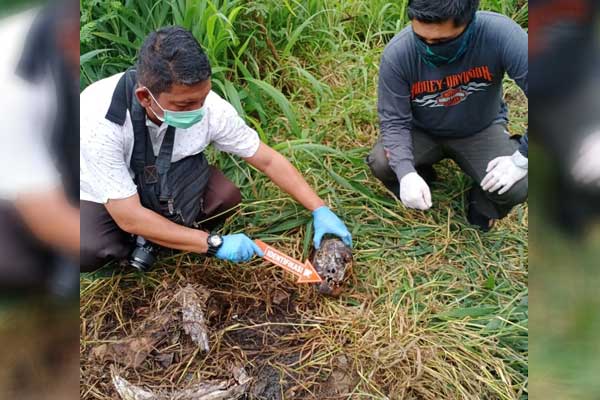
(305, 272)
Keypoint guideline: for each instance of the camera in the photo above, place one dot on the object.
(142, 257)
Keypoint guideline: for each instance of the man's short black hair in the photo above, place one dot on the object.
(171, 56)
(428, 11)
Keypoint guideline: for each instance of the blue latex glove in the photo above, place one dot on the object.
(325, 221)
(238, 248)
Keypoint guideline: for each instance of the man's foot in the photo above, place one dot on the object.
(481, 221)
(427, 172)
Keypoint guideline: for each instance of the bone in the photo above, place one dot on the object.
(231, 389)
(194, 322)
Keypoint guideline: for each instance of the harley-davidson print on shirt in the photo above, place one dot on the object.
(452, 90)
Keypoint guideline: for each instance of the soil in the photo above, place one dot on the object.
(39, 352)
(243, 331)
(262, 346)
(254, 320)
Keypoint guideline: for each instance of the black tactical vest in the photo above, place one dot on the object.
(172, 189)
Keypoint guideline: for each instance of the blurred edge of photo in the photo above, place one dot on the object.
(39, 288)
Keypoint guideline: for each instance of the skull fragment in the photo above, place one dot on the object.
(333, 262)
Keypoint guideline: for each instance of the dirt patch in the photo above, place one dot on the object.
(260, 337)
(141, 336)
(340, 382)
(39, 352)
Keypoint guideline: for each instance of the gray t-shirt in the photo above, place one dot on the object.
(459, 99)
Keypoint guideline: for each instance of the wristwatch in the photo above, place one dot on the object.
(214, 244)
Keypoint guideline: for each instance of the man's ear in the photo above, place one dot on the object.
(143, 97)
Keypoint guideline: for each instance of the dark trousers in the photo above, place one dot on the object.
(103, 241)
(29, 266)
(472, 154)
(24, 260)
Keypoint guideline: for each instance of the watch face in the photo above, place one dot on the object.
(215, 240)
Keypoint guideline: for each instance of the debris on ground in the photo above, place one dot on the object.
(39, 350)
(333, 262)
(131, 352)
(230, 389)
(279, 296)
(264, 332)
(193, 301)
(341, 381)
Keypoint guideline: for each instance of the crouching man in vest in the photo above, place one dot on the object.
(144, 180)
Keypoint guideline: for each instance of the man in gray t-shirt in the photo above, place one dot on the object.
(440, 96)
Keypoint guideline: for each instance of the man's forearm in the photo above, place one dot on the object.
(398, 144)
(158, 229)
(287, 177)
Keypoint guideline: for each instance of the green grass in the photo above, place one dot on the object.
(435, 309)
(565, 323)
(565, 278)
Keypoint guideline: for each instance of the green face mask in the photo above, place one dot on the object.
(179, 119)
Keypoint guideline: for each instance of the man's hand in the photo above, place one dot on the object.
(504, 172)
(325, 221)
(414, 192)
(586, 168)
(238, 248)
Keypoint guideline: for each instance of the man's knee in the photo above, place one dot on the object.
(23, 258)
(101, 244)
(96, 253)
(230, 194)
(101, 239)
(89, 259)
(379, 163)
(221, 193)
(516, 195)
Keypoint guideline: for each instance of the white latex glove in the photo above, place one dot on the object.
(504, 172)
(414, 192)
(586, 168)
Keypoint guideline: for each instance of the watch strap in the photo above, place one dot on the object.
(212, 250)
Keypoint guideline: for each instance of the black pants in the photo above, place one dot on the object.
(103, 241)
(24, 260)
(29, 266)
(472, 154)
